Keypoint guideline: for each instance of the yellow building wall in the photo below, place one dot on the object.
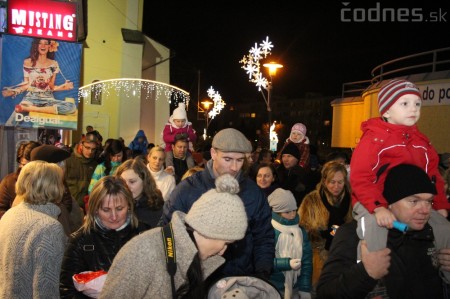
(107, 56)
(158, 70)
(347, 118)
(434, 122)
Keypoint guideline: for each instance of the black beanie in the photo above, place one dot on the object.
(292, 150)
(405, 180)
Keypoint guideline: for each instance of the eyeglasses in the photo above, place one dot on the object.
(89, 148)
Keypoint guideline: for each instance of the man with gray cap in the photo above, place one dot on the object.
(254, 254)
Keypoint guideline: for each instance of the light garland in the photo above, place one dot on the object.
(129, 87)
(219, 103)
(251, 63)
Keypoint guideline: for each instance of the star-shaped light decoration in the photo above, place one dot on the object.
(251, 63)
(219, 103)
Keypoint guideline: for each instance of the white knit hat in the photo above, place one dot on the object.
(180, 112)
(282, 200)
(219, 213)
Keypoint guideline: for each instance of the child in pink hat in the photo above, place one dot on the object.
(299, 138)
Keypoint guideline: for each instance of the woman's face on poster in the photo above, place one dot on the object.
(44, 46)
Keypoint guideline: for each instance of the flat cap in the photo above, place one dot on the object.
(231, 140)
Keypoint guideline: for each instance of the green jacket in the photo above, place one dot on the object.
(78, 173)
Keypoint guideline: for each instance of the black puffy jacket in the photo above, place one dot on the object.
(91, 252)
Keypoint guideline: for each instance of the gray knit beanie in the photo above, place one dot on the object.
(219, 213)
(231, 140)
(282, 200)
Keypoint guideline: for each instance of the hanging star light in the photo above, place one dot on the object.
(219, 103)
(251, 63)
(131, 87)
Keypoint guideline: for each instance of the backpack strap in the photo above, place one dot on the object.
(169, 250)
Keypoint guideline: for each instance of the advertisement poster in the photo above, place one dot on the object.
(40, 81)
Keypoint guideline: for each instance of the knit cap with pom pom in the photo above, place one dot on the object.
(180, 112)
(219, 213)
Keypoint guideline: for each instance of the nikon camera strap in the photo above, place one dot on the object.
(171, 258)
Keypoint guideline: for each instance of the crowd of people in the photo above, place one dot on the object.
(145, 221)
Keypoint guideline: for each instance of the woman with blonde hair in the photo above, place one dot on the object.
(32, 239)
(109, 224)
(323, 210)
(148, 200)
(164, 181)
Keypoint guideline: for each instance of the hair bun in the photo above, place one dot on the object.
(227, 183)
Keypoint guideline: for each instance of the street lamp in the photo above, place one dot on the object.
(273, 67)
(207, 104)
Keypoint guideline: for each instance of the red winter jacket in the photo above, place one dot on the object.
(170, 131)
(383, 146)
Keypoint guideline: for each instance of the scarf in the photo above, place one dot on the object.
(337, 213)
(103, 227)
(290, 242)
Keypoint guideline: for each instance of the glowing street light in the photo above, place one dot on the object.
(206, 106)
(273, 67)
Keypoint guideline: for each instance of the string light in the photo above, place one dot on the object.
(129, 87)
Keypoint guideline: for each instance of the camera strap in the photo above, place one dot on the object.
(169, 249)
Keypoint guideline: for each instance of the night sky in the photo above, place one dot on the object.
(319, 51)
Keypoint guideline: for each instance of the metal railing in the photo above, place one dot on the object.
(424, 62)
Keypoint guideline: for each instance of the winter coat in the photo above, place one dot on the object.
(145, 214)
(140, 270)
(139, 148)
(252, 255)
(411, 273)
(317, 219)
(92, 251)
(294, 180)
(31, 251)
(282, 264)
(384, 146)
(78, 173)
(7, 192)
(170, 131)
(99, 172)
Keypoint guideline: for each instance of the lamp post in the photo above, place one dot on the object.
(206, 107)
(273, 67)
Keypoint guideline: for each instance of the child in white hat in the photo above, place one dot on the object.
(178, 124)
